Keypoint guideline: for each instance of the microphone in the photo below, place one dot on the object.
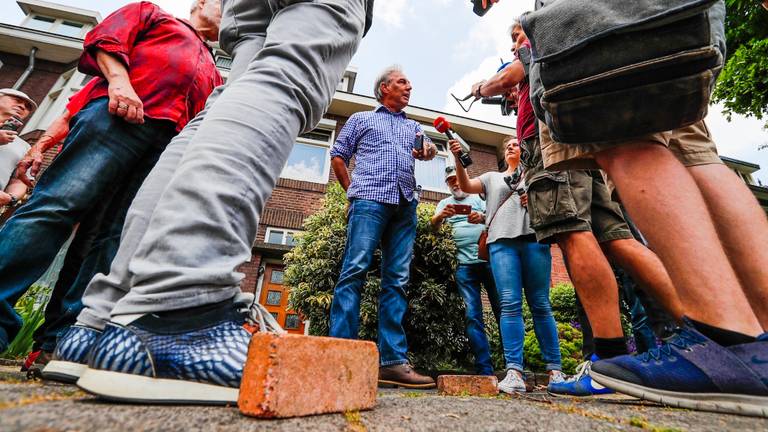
(443, 126)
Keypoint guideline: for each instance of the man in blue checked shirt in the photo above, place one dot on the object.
(383, 200)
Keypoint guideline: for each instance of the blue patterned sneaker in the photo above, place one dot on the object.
(581, 384)
(691, 371)
(70, 358)
(191, 356)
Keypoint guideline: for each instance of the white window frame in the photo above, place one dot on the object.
(55, 102)
(57, 22)
(328, 126)
(285, 234)
(432, 133)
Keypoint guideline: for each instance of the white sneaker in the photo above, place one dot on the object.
(556, 377)
(512, 383)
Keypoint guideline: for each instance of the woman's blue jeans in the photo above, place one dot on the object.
(519, 265)
(394, 227)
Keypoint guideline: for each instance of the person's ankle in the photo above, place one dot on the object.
(722, 336)
(607, 348)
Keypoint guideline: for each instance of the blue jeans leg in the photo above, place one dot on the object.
(507, 272)
(103, 248)
(396, 256)
(100, 150)
(537, 268)
(468, 279)
(367, 220)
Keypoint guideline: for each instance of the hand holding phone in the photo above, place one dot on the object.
(462, 209)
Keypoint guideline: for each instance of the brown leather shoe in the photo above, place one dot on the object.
(403, 375)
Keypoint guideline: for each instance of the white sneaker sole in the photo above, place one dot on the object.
(63, 371)
(122, 387)
(511, 389)
(714, 402)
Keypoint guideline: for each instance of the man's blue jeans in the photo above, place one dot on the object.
(469, 278)
(518, 265)
(394, 226)
(99, 151)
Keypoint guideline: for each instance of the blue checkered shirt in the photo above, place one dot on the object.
(381, 142)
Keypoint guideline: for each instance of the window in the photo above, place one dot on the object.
(431, 175)
(291, 321)
(68, 28)
(281, 236)
(38, 22)
(277, 277)
(274, 298)
(309, 160)
(274, 315)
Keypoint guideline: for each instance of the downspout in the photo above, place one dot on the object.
(28, 71)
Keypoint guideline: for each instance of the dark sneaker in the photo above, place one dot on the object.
(70, 358)
(691, 371)
(192, 356)
(581, 384)
(403, 375)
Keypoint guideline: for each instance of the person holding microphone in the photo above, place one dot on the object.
(517, 262)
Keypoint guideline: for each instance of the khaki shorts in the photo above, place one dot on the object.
(569, 201)
(692, 145)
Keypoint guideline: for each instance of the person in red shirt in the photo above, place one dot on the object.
(153, 73)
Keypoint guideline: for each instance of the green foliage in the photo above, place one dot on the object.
(31, 308)
(563, 298)
(743, 83)
(570, 349)
(435, 320)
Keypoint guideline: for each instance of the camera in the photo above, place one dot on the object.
(478, 7)
(12, 124)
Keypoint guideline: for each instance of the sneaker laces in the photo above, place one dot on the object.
(259, 316)
(581, 371)
(681, 339)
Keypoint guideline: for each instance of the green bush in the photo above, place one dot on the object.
(570, 349)
(434, 323)
(31, 308)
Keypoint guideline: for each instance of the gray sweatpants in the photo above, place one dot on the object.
(196, 215)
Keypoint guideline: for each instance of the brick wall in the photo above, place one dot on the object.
(39, 82)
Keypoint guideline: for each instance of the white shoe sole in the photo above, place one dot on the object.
(511, 389)
(63, 371)
(714, 402)
(122, 387)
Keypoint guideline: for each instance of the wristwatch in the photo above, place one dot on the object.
(14, 201)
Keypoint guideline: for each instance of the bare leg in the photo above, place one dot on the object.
(647, 270)
(594, 282)
(664, 201)
(743, 230)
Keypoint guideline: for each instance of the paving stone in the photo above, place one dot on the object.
(294, 375)
(467, 385)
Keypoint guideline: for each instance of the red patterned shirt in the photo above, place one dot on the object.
(170, 67)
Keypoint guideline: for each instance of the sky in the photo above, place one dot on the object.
(443, 47)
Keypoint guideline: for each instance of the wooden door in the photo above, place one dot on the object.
(274, 297)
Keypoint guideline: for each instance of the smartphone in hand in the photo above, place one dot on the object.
(418, 142)
(462, 209)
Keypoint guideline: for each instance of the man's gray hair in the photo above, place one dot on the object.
(195, 3)
(383, 78)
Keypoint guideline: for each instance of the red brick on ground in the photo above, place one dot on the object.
(295, 375)
(467, 385)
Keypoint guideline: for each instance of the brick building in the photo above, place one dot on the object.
(40, 55)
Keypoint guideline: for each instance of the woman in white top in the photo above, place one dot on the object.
(518, 262)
